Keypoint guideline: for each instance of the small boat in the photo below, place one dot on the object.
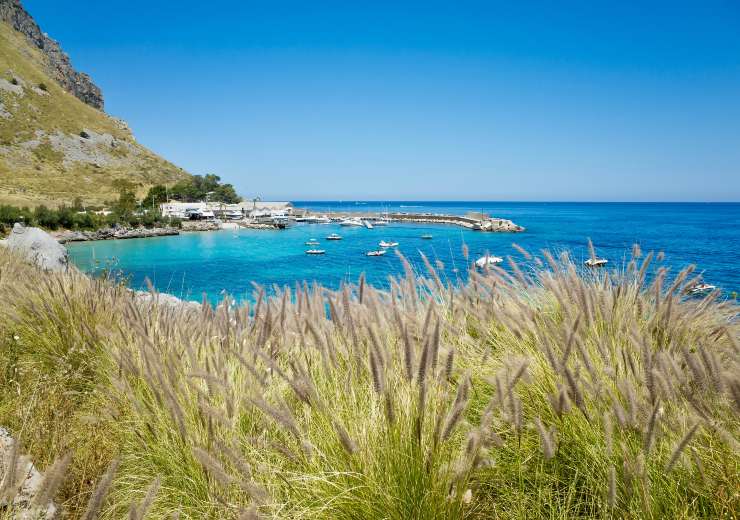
(596, 262)
(334, 236)
(315, 252)
(367, 224)
(312, 242)
(383, 243)
(351, 222)
(427, 237)
(381, 222)
(486, 261)
(234, 215)
(323, 220)
(379, 252)
(702, 288)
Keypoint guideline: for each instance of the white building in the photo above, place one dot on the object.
(231, 211)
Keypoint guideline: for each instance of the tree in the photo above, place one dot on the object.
(46, 217)
(156, 196)
(199, 188)
(126, 203)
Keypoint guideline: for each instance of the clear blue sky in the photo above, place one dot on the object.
(424, 100)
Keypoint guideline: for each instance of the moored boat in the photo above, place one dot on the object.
(312, 242)
(488, 260)
(315, 252)
(379, 252)
(702, 288)
(596, 262)
(334, 236)
(383, 243)
(427, 236)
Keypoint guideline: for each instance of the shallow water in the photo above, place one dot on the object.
(216, 263)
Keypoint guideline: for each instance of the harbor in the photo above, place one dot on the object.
(271, 215)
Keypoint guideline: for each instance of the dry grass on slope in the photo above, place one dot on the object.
(521, 394)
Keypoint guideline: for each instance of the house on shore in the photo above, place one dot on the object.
(210, 210)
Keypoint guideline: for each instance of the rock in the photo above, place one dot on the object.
(115, 233)
(28, 480)
(37, 246)
(164, 300)
(60, 68)
(200, 225)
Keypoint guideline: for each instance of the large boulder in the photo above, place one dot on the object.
(26, 483)
(38, 247)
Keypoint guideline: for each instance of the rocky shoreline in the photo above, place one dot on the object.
(118, 233)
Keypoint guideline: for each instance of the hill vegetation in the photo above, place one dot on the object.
(54, 147)
(538, 392)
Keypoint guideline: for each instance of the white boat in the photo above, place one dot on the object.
(486, 261)
(383, 243)
(379, 252)
(702, 288)
(312, 242)
(367, 224)
(351, 222)
(234, 215)
(596, 262)
(315, 252)
(381, 222)
(334, 236)
(323, 220)
(427, 237)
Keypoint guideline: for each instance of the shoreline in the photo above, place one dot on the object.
(482, 223)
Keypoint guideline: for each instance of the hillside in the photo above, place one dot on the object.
(53, 145)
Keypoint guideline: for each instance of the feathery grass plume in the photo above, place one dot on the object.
(575, 392)
(712, 365)
(449, 364)
(546, 441)
(518, 374)
(53, 478)
(138, 512)
(408, 354)
(559, 401)
(361, 289)
(680, 447)
(434, 348)
(651, 429)
(101, 490)
(693, 364)
(424, 361)
(608, 433)
(570, 339)
(526, 254)
(390, 411)
(347, 443)
(250, 513)
(376, 371)
(212, 466)
(612, 487)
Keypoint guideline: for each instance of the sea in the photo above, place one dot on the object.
(234, 262)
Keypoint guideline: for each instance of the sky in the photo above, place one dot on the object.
(306, 100)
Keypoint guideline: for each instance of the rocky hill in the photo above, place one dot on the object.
(56, 143)
(58, 65)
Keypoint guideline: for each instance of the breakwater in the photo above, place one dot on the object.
(474, 221)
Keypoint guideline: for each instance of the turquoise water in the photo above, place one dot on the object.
(216, 263)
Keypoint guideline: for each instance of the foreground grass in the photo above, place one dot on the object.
(546, 394)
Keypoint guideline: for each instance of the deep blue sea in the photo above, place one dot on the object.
(216, 263)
